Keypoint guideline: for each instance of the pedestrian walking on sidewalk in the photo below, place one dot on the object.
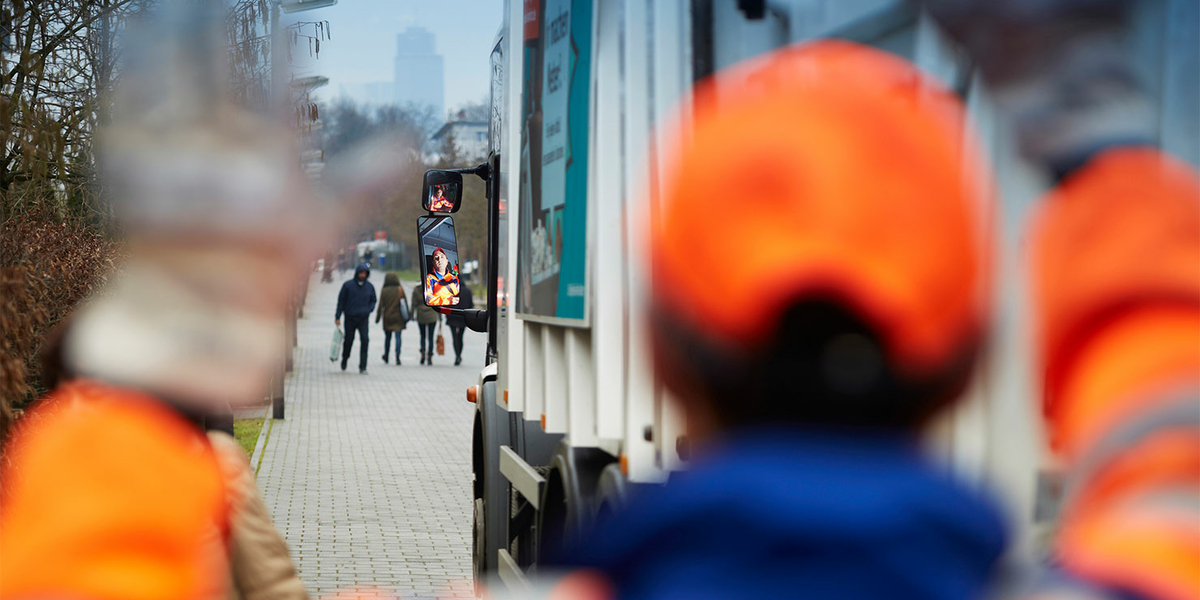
(458, 325)
(427, 320)
(357, 302)
(393, 310)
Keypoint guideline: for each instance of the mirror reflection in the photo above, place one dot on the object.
(439, 264)
(441, 197)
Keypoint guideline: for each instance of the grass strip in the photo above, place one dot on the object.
(266, 441)
(246, 432)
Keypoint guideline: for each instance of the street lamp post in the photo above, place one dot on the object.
(280, 97)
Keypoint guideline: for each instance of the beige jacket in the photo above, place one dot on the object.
(260, 564)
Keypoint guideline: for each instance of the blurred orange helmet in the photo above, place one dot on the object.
(1120, 236)
(108, 494)
(826, 170)
(1116, 264)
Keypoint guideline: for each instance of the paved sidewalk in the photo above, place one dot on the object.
(369, 476)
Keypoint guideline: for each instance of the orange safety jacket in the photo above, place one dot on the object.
(107, 493)
(441, 290)
(1117, 284)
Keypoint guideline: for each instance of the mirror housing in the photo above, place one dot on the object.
(442, 191)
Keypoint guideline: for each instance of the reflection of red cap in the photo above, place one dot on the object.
(436, 250)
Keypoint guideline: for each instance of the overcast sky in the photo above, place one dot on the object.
(362, 47)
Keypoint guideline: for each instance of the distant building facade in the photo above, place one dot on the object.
(470, 140)
(419, 71)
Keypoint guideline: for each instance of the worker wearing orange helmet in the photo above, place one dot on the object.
(804, 401)
(1115, 251)
(110, 488)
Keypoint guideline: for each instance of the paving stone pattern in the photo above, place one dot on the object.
(369, 476)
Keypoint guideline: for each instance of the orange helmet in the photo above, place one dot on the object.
(1116, 261)
(1119, 236)
(108, 494)
(865, 191)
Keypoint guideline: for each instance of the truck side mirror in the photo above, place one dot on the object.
(441, 191)
(438, 255)
(439, 260)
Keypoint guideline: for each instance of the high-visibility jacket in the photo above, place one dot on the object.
(441, 290)
(1117, 284)
(107, 493)
(442, 204)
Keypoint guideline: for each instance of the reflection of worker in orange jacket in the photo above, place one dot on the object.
(804, 403)
(1116, 282)
(441, 286)
(438, 202)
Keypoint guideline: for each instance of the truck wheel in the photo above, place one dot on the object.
(611, 492)
(478, 548)
(568, 500)
(491, 510)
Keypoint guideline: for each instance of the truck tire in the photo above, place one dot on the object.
(612, 492)
(493, 502)
(568, 501)
(478, 544)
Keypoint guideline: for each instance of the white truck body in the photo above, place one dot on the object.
(590, 379)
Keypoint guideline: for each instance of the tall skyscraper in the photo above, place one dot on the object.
(419, 71)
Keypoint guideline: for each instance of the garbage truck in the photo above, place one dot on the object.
(569, 416)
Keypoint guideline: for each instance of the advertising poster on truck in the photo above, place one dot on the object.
(552, 270)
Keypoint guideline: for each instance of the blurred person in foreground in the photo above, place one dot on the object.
(357, 301)
(111, 488)
(1115, 261)
(804, 402)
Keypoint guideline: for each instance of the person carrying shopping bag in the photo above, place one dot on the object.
(427, 320)
(393, 310)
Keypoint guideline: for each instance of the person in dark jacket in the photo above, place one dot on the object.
(357, 302)
(457, 324)
(393, 309)
(427, 320)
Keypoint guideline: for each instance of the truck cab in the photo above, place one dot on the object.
(569, 416)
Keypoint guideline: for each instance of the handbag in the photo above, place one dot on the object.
(404, 315)
(441, 342)
(335, 348)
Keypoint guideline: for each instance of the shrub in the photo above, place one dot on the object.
(47, 266)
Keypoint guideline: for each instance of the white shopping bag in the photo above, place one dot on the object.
(335, 348)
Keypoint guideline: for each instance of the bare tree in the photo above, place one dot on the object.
(55, 73)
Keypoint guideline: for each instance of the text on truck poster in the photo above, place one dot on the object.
(552, 270)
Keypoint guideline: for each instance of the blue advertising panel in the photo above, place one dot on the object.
(556, 95)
